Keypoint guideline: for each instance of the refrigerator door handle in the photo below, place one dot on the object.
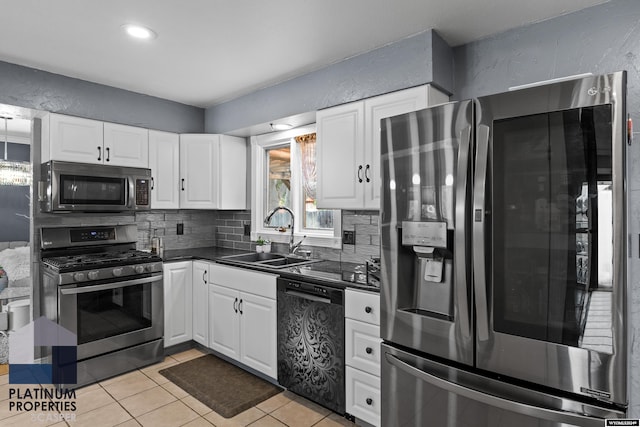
(479, 210)
(461, 252)
(496, 401)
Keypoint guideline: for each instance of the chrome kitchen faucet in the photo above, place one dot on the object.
(292, 247)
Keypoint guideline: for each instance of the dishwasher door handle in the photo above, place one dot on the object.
(308, 296)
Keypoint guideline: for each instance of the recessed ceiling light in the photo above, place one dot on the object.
(281, 126)
(139, 32)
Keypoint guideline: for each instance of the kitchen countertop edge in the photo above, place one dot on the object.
(216, 254)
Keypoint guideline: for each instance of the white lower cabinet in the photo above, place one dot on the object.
(258, 333)
(243, 316)
(200, 310)
(362, 355)
(178, 288)
(224, 322)
(363, 346)
(363, 395)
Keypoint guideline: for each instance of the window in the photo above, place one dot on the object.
(284, 166)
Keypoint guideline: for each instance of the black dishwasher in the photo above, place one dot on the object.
(311, 342)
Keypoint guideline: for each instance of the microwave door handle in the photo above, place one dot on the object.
(108, 286)
(461, 241)
(131, 191)
(479, 217)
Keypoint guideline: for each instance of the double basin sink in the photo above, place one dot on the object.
(269, 260)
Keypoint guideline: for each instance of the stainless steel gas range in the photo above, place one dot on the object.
(98, 286)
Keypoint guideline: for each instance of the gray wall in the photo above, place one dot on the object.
(420, 59)
(596, 40)
(40, 90)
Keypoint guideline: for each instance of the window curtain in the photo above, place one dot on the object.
(307, 144)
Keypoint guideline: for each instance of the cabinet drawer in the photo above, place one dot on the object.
(241, 279)
(362, 348)
(364, 306)
(363, 396)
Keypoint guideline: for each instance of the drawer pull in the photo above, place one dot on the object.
(368, 309)
(369, 401)
(369, 350)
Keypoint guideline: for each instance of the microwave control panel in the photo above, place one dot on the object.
(142, 192)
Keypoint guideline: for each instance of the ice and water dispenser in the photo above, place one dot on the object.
(433, 268)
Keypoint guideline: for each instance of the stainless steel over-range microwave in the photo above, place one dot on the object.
(80, 187)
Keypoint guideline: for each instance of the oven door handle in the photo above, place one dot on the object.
(107, 286)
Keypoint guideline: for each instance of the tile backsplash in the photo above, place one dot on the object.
(230, 234)
(226, 229)
(199, 228)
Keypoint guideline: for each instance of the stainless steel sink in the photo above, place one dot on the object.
(275, 261)
(254, 257)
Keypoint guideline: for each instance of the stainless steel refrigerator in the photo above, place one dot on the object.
(503, 233)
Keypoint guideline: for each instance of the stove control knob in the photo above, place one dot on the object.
(93, 275)
(117, 272)
(78, 277)
(139, 269)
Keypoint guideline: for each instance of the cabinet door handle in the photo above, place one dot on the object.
(182, 184)
(369, 350)
(359, 173)
(240, 307)
(368, 309)
(203, 277)
(369, 401)
(235, 305)
(99, 153)
(366, 174)
(108, 155)
(153, 184)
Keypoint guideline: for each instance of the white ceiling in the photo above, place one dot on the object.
(211, 51)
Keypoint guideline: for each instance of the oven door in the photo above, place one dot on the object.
(112, 316)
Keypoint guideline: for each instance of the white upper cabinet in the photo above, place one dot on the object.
(232, 173)
(126, 146)
(212, 172)
(75, 139)
(340, 156)
(164, 161)
(197, 175)
(349, 146)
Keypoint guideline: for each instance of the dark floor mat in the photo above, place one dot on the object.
(221, 386)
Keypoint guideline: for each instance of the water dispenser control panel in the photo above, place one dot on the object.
(432, 234)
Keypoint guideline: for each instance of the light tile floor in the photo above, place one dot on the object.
(146, 398)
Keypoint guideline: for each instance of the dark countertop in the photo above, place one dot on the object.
(328, 273)
(211, 253)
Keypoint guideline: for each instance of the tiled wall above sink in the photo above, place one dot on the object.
(230, 234)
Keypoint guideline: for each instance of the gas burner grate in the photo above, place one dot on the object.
(101, 259)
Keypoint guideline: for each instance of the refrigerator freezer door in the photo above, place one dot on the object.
(445, 396)
(425, 268)
(549, 236)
